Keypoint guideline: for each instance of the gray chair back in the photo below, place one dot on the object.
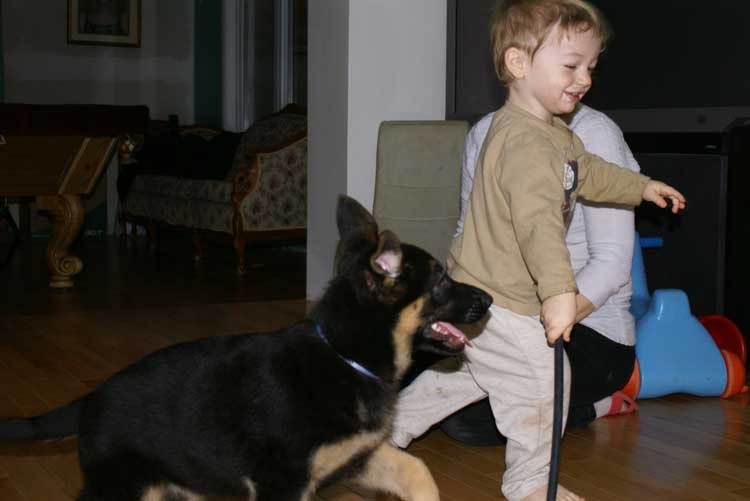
(418, 181)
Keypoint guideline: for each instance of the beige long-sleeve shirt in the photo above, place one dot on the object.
(527, 180)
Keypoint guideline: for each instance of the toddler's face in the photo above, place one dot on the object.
(560, 74)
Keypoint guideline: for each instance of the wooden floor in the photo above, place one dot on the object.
(130, 301)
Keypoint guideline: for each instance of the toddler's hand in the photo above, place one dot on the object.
(657, 192)
(558, 316)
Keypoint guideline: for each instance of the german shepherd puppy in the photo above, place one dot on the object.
(271, 417)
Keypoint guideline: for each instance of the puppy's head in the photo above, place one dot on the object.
(405, 281)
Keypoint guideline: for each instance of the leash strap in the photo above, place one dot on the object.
(554, 465)
(355, 365)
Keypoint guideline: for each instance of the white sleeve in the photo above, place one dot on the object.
(610, 230)
(472, 147)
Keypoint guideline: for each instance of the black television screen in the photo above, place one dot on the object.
(664, 54)
(674, 54)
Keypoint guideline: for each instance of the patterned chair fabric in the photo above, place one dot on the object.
(280, 198)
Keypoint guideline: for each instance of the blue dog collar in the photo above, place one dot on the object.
(355, 365)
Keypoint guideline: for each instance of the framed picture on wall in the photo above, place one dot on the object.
(105, 22)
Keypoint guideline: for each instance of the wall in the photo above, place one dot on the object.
(396, 72)
(328, 101)
(41, 67)
(369, 61)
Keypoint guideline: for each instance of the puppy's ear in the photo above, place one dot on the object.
(353, 220)
(388, 257)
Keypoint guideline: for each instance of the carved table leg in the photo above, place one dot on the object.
(67, 218)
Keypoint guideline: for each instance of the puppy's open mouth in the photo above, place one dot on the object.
(449, 335)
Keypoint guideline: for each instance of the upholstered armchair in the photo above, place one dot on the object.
(251, 186)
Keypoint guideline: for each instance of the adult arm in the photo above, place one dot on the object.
(469, 158)
(609, 229)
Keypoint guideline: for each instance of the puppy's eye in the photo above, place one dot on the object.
(441, 281)
(441, 290)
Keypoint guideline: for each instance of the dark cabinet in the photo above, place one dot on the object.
(706, 248)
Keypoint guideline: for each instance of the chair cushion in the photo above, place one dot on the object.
(194, 203)
(184, 188)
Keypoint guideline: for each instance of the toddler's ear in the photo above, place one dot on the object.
(516, 60)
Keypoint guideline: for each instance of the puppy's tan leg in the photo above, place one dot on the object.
(395, 472)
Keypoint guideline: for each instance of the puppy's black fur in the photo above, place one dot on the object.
(274, 416)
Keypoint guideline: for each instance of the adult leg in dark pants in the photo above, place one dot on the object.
(599, 367)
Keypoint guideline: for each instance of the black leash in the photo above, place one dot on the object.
(554, 465)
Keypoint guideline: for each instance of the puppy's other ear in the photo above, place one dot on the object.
(353, 220)
(388, 258)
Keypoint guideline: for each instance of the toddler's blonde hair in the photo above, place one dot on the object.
(526, 24)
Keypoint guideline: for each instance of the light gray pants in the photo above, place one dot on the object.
(512, 363)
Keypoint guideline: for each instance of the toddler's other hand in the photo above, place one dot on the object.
(558, 316)
(657, 192)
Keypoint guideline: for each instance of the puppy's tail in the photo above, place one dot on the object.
(58, 423)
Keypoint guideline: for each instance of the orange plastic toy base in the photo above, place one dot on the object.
(735, 374)
(726, 334)
(633, 386)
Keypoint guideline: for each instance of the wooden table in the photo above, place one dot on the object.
(56, 170)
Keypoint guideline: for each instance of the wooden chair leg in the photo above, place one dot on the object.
(15, 235)
(132, 237)
(123, 221)
(152, 234)
(151, 230)
(198, 242)
(239, 248)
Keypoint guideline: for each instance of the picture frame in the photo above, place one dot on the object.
(115, 23)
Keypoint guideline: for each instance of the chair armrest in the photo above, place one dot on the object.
(270, 191)
(244, 176)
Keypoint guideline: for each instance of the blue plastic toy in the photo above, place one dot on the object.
(675, 352)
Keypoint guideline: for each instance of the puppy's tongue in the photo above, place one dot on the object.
(449, 335)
